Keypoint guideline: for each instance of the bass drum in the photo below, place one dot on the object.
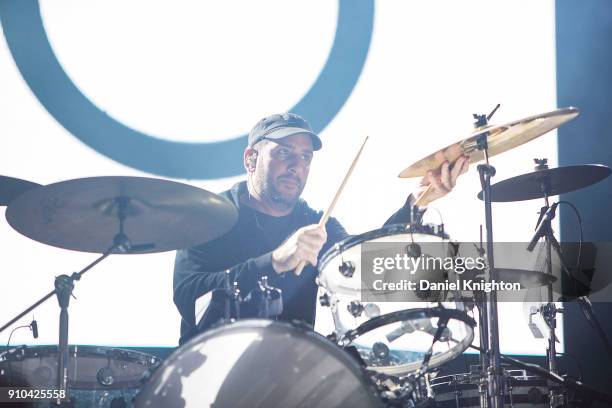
(258, 363)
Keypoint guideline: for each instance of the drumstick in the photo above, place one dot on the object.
(425, 192)
(422, 196)
(327, 213)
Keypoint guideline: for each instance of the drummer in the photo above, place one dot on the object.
(276, 230)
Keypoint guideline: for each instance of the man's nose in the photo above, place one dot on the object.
(297, 165)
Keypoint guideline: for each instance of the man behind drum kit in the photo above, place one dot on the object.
(276, 230)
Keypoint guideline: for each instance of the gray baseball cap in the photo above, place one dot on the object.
(282, 125)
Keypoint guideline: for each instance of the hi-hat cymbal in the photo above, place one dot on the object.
(501, 138)
(549, 182)
(83, 214)
(11, 187)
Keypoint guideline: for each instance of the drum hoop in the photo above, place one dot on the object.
(22, 353)
(411, 314)
(387, 230)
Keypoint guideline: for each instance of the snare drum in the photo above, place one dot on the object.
(97, 376)
(258, 363)
(392, 331)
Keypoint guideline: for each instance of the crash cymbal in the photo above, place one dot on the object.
(527, 279)
(553, 182)
(83, 214)
(11, 187)
(501, 138)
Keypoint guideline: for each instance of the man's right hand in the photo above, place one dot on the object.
(304, 245)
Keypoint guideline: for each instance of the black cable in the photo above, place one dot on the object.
(11, 335)
(577, 362)
(8, 357)
(585, 304)
(578, 263)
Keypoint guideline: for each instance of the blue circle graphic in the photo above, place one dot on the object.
(27, 40)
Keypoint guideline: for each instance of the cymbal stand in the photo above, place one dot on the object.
(483, 333)
(231, 295)
(64, 285)
(495, 376)
(548, 310)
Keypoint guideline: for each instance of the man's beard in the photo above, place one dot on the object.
(268, 188)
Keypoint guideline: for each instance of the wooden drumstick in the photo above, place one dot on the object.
(419, 200)
(327, 213)
(425, 192)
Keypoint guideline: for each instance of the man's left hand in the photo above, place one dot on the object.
(442, 181)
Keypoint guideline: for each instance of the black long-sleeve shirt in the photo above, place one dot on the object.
(246, 250)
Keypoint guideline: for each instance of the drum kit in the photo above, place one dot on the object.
(379, 354)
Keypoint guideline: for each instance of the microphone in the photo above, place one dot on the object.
(405, 327)
(423, 325)
(426, 326)
(544, 225)
(34, 327)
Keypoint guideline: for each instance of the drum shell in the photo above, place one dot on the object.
(351, 307)
(36, 367)
(258, 363)
(527, 392)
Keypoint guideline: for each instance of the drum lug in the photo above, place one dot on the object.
(355, 308)
(324, 300)
(347, 269)
(413, 250)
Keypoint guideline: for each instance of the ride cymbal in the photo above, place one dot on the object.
(549, 182)
(157, 215)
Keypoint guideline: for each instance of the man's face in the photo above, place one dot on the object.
(282, 168)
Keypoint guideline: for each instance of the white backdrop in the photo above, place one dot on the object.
(199, 71)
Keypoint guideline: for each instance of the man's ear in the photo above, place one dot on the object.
(250, 159)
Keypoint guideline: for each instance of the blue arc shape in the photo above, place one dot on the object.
(26, 37)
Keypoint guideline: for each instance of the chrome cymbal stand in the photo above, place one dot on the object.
(495, 377)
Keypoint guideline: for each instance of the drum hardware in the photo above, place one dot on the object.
(324, 299)
(442, 325)
(544, 229)
(413, 250)
(355, 308)
(485, 142)
(535, 330)
(380, 353)
(371, 310)
(268, 299)
(545, 182)
(65, 214)
(105, 376)
(347, 269)
(493, 365)
(230, 294)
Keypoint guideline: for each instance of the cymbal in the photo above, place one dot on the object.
(11, 187)
(527, 279)
(83, 214)
(501, 138)
(555, 181)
